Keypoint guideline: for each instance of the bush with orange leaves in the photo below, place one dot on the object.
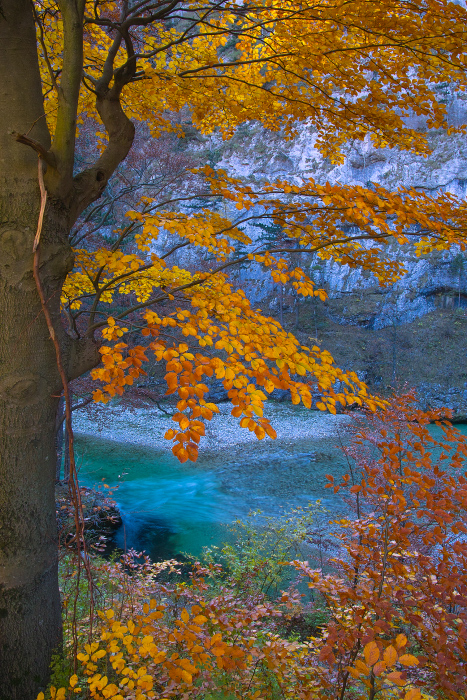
(396, 599)
(402, 571)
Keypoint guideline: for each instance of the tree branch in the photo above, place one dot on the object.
(90, 183)
(46, 155)
(80, 354)
(59, 180)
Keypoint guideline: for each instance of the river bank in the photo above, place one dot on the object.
(146, 426)
(101, 516)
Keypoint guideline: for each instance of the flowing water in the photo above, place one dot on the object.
(169, 508)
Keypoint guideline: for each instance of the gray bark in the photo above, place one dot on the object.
(30, 385)
(30, 620)
(30, 614)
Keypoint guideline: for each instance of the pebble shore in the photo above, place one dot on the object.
(146, 426)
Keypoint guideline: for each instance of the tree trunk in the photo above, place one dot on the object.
(394, 354)
(281, 303)
(30, 618)
(30, 384)
(460, 276)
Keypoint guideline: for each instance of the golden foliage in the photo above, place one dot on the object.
(343, 66)
(255, 355)
(349, 70)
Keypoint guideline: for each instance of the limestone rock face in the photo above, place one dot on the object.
(431, 282)
(390, 336)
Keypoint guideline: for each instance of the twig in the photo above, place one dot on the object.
(42, 152)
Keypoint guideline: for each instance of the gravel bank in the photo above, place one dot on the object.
(146, 426)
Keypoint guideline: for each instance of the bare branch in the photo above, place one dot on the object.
(46, 155)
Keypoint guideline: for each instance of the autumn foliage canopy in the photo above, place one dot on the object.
(350, 71)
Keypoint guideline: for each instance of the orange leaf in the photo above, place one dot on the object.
(379, 668)
(363, 668)
(396, 677)
(401, 640)
(371, 653)
(408, 660)
(413, 694)
(353, 671)
(187, 677)
(390, 656)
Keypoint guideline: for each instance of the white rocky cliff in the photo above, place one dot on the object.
(414, 332)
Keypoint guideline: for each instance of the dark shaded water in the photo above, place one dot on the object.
(166, 507)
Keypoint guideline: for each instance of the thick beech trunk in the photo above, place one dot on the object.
(30, 619)
(30, 624)
(30, 385)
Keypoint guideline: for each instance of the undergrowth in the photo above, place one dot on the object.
(375, 610)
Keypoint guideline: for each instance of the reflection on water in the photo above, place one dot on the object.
(169, 508)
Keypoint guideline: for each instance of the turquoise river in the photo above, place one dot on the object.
(169, 508)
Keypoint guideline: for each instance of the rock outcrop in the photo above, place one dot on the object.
(414, 332)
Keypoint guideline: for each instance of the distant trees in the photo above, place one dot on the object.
(457, 267)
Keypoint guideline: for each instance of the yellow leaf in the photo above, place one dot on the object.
(185, 615)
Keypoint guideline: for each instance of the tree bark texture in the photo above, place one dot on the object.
(30, 617)
(30, 384)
